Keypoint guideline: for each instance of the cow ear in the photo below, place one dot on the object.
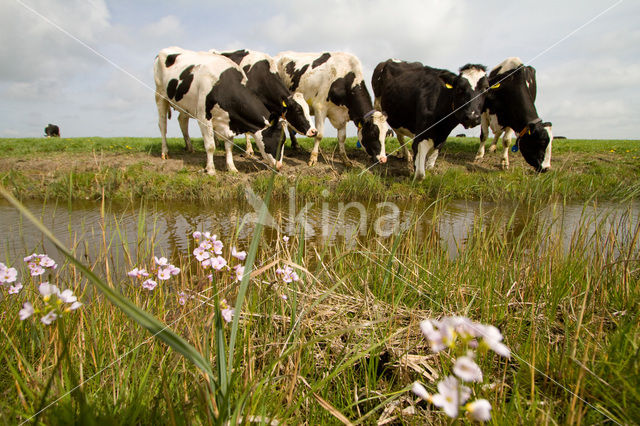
(547, 124)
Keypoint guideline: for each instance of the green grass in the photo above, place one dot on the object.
(581, 169)
(569, 314)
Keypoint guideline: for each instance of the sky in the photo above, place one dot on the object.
(86, 65)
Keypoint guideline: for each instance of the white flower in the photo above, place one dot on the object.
(73, 307)
(492, 337)
(197, 235)
(420, 391)
(67, 296)
(467, 370)
(149, 284)
(15, 289)
(47, 290)
(433, 335)
(479, 410)
(240, 255)
(8, 275)
(26, 311)
(49, 318)
(164, 274)
(161, 262)
(285, 239)
(30, 258)
(174, 270)
(450, 396)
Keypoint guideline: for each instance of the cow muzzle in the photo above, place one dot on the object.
(311, 132)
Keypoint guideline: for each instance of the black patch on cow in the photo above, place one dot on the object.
(171, 88)
(321, 60)
(473, 66)
(295, 75)
(171, 59)
(358, 102)
(176, 90)
(236, 56)
(246, 68)
(246, 112)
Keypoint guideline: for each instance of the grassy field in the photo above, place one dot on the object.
(343, 344)
(130, 168)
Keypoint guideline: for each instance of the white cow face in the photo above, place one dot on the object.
(298, 116)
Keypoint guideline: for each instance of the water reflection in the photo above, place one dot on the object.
(129, 228)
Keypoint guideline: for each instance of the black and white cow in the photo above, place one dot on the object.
(52, 131)
(426, 103)
(509, 108)
(212, 89)
(333, 86)
(264, 81)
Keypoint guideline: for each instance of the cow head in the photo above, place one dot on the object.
(296, 112)
(535, 143)
(372, 132)
(272, 136)
(469, 91)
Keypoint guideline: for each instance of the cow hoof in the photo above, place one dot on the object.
(477, 159)
(492, 148)
(210, 172)
(232, 170)
(165, 156)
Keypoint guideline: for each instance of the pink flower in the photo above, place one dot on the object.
(217, 246)
(285, 239)
(26, 311)
(218, 263)
(226, 311)
(15, 289)
(8, 275)
(174, 270)
(36, 269)
(239, 270)
(47, 290)
(197, 235)
(138, 273)
(164, 274)
(149, 284)
(240, 255)
(201, 254)
(161, 262)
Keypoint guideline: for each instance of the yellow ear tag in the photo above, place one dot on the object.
(359, 125)
(284, 104)
(448, 86)
(529, 132)
(495, 86)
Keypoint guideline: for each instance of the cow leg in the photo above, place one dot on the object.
(484, 132)
(431, 160)
(313, 159)
(506, 142)
(494, 143)
(183, 120)
(342, 135)
(163, 111)
(209, 145)
(294, 139)
(249, 146)
(423, 148)
(228, 150)
(260, 144)
(406, 153)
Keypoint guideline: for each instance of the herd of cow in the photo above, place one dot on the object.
(248, 92)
